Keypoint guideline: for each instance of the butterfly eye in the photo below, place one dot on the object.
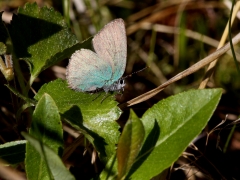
(121, 81)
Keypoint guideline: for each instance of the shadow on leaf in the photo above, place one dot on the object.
(50, 134)
(75, 118)
(26, 31)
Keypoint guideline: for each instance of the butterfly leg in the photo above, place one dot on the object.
(105, 97)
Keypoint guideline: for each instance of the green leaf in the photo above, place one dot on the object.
(46, 127)
(170, 126)
(13, 152)
(41, 37)
(93, 114)
(54, 163)
(130, 144)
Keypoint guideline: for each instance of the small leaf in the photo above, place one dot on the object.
(170, 126)
(47, 128)
(129, 144)
(41, 37)
(55, 164)
(13, 152)
(92, 114)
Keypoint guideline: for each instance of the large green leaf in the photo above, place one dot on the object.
(170, 126)
(13, 152)
(92, 114)
(54, 163)
(46, 127)
(41, 37)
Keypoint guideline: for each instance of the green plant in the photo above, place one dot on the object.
(147, 145)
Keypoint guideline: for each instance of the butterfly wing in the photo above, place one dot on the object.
(86, 71)
(111, 45)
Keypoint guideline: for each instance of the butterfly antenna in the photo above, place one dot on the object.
(134, 73)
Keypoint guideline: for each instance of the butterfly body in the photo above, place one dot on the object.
(102, 69)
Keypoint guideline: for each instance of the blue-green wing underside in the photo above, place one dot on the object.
(86, 71)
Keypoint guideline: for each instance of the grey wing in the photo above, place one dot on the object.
(111, 45)
(86, 71)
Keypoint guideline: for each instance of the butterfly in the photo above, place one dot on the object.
(89, 71)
